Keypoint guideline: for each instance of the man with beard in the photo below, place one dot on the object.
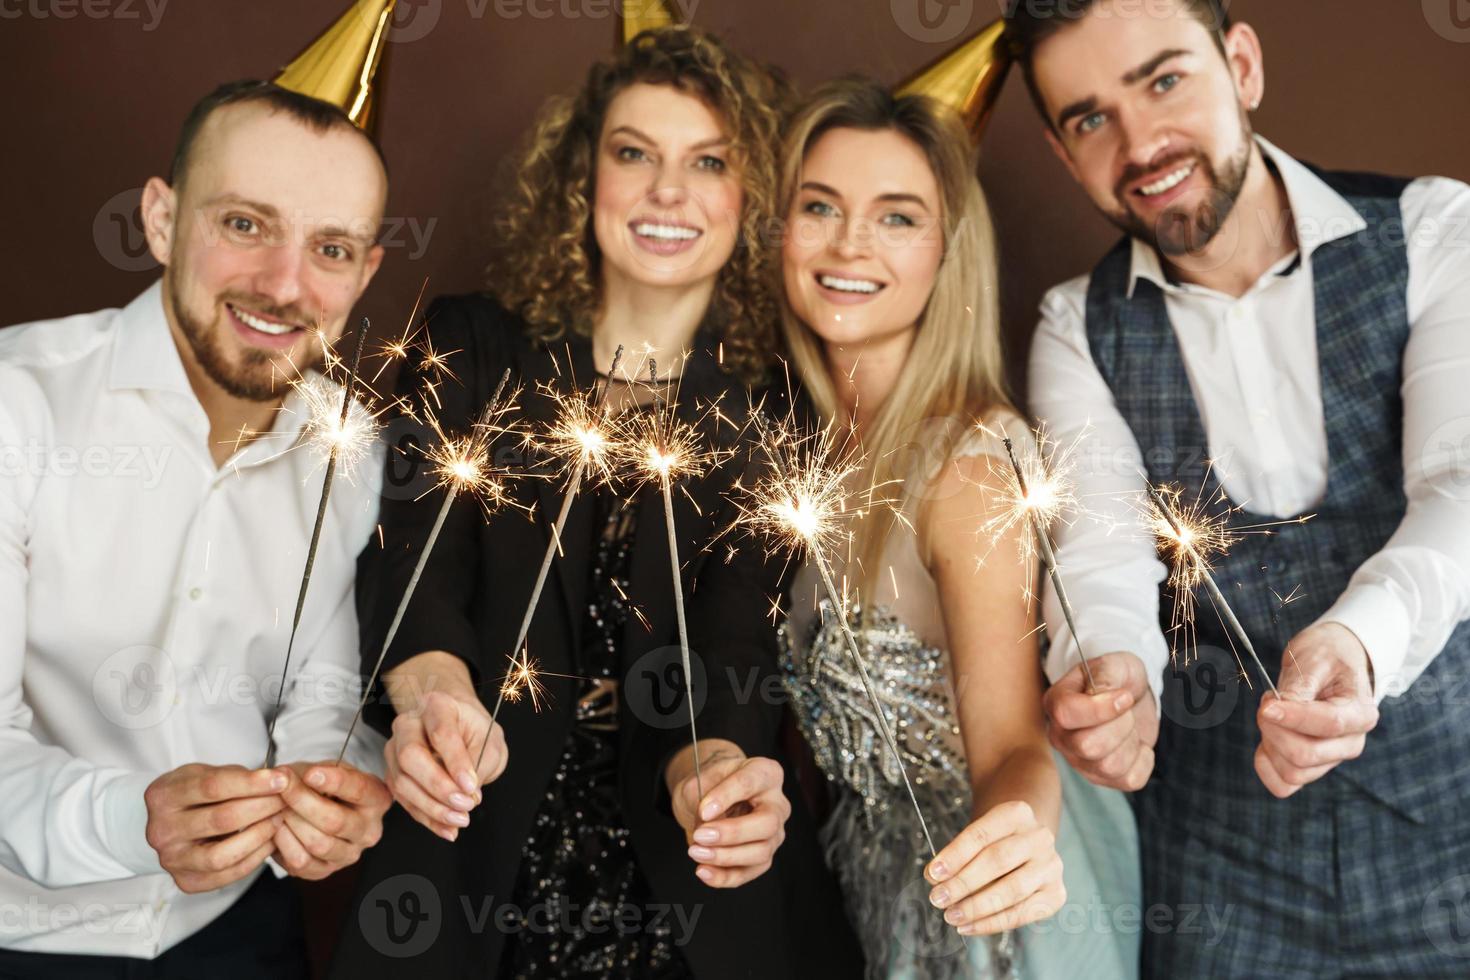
(155, 505)
(1281, 342)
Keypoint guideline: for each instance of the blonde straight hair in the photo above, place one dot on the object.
(955, 371)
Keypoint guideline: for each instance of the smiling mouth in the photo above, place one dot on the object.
(665, 232)
(1167, 182)
(842, 284)
(273, 328)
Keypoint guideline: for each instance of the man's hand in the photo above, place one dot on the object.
(1325, 711)
(334, 812)
(431, 759)
(733, 832)
(213, 825)
(1002, 872)
(1108, 736)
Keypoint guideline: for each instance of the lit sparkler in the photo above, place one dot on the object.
(800, 507)
(462, 465)
(582, 436)
(342, 438)
(1191, 536)
(1039, 497)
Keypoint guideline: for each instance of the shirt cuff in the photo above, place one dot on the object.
(1381, 624)
(125, 823)
(1110, 632)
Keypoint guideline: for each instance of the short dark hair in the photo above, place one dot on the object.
(1029, 22)
(311, 112)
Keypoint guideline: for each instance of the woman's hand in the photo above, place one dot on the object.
(734, 831)
(1002, 872)
(436, 740)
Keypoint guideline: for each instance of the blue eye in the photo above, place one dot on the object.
(821, 209)
(712, 163)
(630, 153)
(1091, 123)
(899, 220)
(1167, 82)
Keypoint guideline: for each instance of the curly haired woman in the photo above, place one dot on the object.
(581, 846)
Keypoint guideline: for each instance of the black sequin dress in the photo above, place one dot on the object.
(586, 903)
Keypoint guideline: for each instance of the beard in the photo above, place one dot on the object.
(1181, 230)
(253, 375)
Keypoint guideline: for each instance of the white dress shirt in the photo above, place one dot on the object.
(145, 602)
(1252, 366)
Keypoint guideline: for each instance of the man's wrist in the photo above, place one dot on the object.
(434, 670)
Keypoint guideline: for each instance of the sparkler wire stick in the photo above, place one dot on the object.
(316, 537)
(1223, 607)
(574, 484)
(1049, 559)
(820, 559)
(452, 493)
(679, 605)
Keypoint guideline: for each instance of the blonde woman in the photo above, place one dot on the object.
(891, 317)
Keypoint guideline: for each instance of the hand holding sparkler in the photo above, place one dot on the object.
(735, 827)
(1324, 713)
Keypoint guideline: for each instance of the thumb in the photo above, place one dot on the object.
(1119, 672)
(1305, 679)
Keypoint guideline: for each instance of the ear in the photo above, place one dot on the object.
(1055, 142)
(160, 217)
(1247, 64)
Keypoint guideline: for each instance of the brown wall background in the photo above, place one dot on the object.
(97, 90)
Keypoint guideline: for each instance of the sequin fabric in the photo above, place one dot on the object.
(872, 840)
(588, 908)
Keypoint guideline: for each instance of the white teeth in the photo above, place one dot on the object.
(1167, 183)
(849, 285)
(264, 326)
(672, 232)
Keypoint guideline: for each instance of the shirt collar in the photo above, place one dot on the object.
(1319, 213)
(144, 355)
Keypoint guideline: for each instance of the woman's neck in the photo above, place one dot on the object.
(660, 321)
(864, 375)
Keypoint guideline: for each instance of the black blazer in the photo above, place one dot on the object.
(433, 907)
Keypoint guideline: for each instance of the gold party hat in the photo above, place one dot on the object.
(641, 15)
(339, 66)
(967, 79)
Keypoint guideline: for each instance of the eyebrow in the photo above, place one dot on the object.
(639, 134)
(896, 198)
(327, 230)
(1087, 106)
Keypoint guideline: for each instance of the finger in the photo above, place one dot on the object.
(322, 846)
(1137, 777)
(330, 817)
(1291, 773)
(1270, 778)
(998, 824)
(753, 778)
(1100, 741)
(225, 854)
(418, 761)
(443, 729)
(1074, 710)
(762, 823)
(1011, 889)
(215, 784)
(741, 856)
(729, 877)
(1043, 905)
(195, 883)
(223, 819)
(442, 820)
(1321, 719)
(1304, 752)
(294, 856)
(992, 864)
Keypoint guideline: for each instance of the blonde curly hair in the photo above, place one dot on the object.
(546, 262)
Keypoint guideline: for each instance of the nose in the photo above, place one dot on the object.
(854, 238)
(668, 187)
(280, 276)
(1145, 137)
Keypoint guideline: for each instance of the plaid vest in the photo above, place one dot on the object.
(1418, 754)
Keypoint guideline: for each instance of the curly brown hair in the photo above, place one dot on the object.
(545, 263)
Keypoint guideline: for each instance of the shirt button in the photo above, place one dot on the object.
(195, 592)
